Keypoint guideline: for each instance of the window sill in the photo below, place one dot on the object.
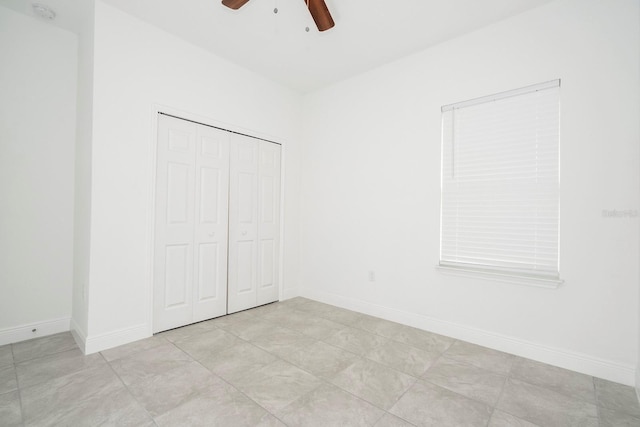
(497, 276)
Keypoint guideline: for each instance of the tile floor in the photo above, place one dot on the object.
(298, 363)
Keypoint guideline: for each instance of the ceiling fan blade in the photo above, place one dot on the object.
(234, 4)
(320, 14)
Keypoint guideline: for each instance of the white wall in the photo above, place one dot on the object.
(37, 133)
(371, 188)
(136, 67)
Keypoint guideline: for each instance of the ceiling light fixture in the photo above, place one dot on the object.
(44, 12)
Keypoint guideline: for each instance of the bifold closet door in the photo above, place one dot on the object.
(254, 211)
(191, 217)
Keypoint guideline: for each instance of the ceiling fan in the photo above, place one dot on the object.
(317, 8)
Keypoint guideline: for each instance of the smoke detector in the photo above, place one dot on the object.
(44, 12)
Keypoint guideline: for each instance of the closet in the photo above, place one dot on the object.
(217, 218)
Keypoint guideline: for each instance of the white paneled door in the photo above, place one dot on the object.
(191, 217)
(268, 222)
(254, 232)
(243, 224)
(217, 217)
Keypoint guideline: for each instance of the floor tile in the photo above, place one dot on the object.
(249, 329)
(10, 413)
(146, 364)
(341, 315)
(206, 344)
(90, 397)
(322, 360)
(237, 361)
(355, 340)
(609, 418)
(228, 319)
(389, 420)
(284, 317)
(304, 363)
(328, 405)
(421, 339)
(297, 302)
(6, 355)
(313, 307)
(116, 409)
(277, 385)
(230, 408)
(563, 381)
(44, 369)
(45, 346)
(62, 393)
(482, 357)
(405, 334)
(426, 404)
(177, 334)
(373, 382)
(378, 326)
(171, 389)
(316, 327)
(617, 397)
(132, 348)
(283, 342)
(402, 357)
(502, 419)
(545, 407)
(467, 380)
(8, 380)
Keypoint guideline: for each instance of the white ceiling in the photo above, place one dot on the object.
(368, 33)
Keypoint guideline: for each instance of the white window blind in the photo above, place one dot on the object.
(500, 183)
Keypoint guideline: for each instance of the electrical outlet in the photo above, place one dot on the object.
(372, 276)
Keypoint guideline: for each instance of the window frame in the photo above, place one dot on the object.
(488, 271)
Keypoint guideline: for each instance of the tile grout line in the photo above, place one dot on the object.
(240, 391)
(323, 380)
(595, 393)
(497, 402)
(18, 388)
(352, 326)
(248, 373)
(504, 386)
(127, 388)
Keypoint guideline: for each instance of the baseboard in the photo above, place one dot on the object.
(78, 335)
(96, 343)
(600, 368)
(34, 330)
(638, 382)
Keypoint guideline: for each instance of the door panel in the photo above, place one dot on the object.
(208, 266)
(211, 225)
(174, 222)
(267, 255)
(176, 276)
(209, 195)
(243, 225)
(178, 187)
(268, 223)
(245, 276)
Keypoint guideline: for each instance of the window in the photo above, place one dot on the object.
(500, 185)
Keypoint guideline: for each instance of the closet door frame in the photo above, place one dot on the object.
(156, 110)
